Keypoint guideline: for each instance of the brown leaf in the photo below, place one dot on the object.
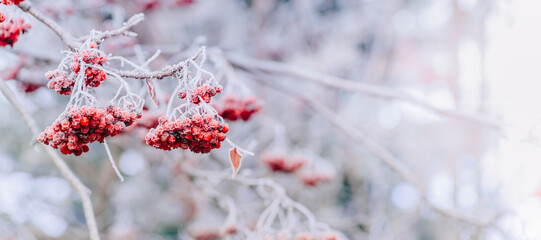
(235, 158)
(152, 90)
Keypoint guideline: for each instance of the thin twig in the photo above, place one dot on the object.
(165, 72)
(134, 20)
(81, 189)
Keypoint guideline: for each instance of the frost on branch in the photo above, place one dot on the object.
(194, 124)
(85, 120)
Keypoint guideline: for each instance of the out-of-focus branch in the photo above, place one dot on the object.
(81, 189)
(74, 43)
(278, 193)
(344, 84)
(377, 150)
(64, 35)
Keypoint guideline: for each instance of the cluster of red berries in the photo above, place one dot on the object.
(9, 2)
(306, 236)
(147, 5)
(282, 163)
(212, 232)
(235, 108)
(197, 133)
(205, 92)
(314, 178)
(325, 236)
(28, 86)
(60, 82)
(94, 76)
(182, 3)
(79, 126)
(10, 31)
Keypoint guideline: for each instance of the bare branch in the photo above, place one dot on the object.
(134, 20)
(81, 189)
(65, 36)
(377, 150)
(344, 84)
(165, 72)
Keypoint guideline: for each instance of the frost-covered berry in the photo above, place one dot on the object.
(77, 127)
(198, 133)
(93, 76)
(60, 82)
(10, 2)
(235, 108)
(204, 93)
(10, 31)
(282, 162)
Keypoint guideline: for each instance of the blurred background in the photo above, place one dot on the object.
(456, 104)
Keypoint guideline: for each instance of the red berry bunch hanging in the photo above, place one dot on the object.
(73, 130)
(9, 2)
(205, 92)
(314, 178)
(93, 76)
(10, 31)
(198, 133)
(235, 108)
(324, 236)
(282, 163)
(182, 3)
(60, 82)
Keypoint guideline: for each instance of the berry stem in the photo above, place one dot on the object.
(112, 161)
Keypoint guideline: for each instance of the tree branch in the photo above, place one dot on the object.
(81, 189)
(344, 84)
(377, 150)
(134, 20)
(165, 72)
(65, 36)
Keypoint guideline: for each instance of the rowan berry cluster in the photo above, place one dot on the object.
(282, 163)
(94, 76)
(205, 93)
(181, 3)
(212, 232)
(198, 133)
(306, 236)
(10, 2)
(10, 31)
(324, 236)
(28, 86)
(73, 130)
(314, 178)
(235, 108)
(60, 82)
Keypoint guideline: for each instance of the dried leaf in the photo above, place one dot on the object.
(152, 90)
(235, 158)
